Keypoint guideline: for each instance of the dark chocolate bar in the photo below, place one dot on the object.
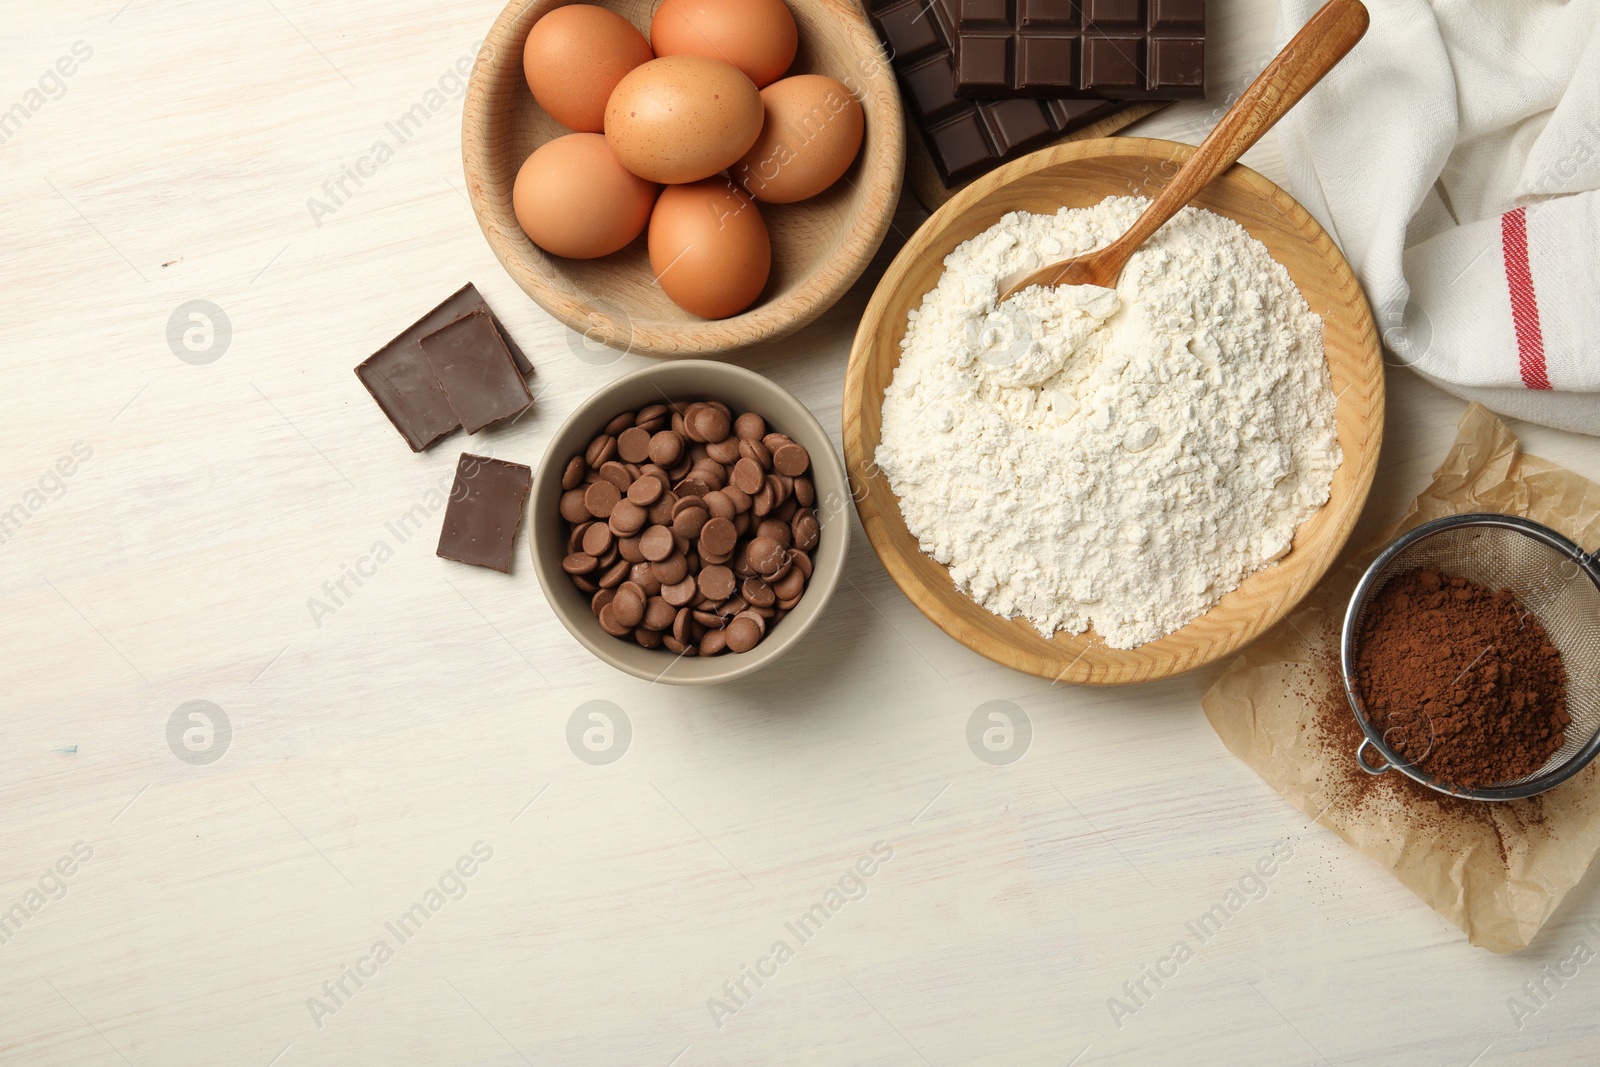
(485, 510)
(1111, 49)
(966, 137)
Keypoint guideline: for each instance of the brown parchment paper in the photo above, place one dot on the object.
(1496, 870)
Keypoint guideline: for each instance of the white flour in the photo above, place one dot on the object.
(1080, 463)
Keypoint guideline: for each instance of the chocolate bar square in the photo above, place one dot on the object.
(485, 511)
(1114, 49)
(1114, 63)
(1110, 13)
(1039, 59)
(1048, 12)
(479, 377)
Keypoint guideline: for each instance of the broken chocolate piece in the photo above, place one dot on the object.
(477, 372)
(399, 379)
(485, 510)
(464, 301)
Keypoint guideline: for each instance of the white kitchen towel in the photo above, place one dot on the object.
(1455, 156)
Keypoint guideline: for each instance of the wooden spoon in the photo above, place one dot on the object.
(1314, 51)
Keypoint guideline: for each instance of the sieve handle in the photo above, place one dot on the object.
(1361, 758)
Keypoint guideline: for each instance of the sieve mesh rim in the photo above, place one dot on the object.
(1542, 780)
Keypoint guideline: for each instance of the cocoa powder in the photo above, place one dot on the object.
(1411, 809)
(1461, 680)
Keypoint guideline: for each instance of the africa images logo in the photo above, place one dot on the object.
(352, 978)
(851, 886)
(52, 886)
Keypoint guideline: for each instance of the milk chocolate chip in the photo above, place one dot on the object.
(600, 498)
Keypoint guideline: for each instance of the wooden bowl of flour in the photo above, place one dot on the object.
(1081, 174)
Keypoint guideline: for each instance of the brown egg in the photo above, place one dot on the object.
(682, 118)
(810, 136)
(709, 248)
(574, 199)
(757, 36)
(575, 56)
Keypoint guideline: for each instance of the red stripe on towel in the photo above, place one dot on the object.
(1524, 305)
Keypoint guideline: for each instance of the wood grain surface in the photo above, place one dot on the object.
(820, 245)
(200, 547)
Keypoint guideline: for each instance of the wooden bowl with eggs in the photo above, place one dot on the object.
(820, 245)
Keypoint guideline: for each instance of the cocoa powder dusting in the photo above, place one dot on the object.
(1461, 680)
(1452, 823)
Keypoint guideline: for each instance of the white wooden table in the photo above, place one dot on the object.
(178, 517)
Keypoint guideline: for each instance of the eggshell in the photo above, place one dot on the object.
(574, 199)
(757, 36)
(709, 248)
(575, 56)
(682, 118)
(810, 136)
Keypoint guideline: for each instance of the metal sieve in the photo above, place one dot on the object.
(1554, 579)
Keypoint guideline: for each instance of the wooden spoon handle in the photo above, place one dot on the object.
(1314, 51)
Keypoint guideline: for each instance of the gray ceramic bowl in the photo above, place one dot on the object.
(742, 390)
